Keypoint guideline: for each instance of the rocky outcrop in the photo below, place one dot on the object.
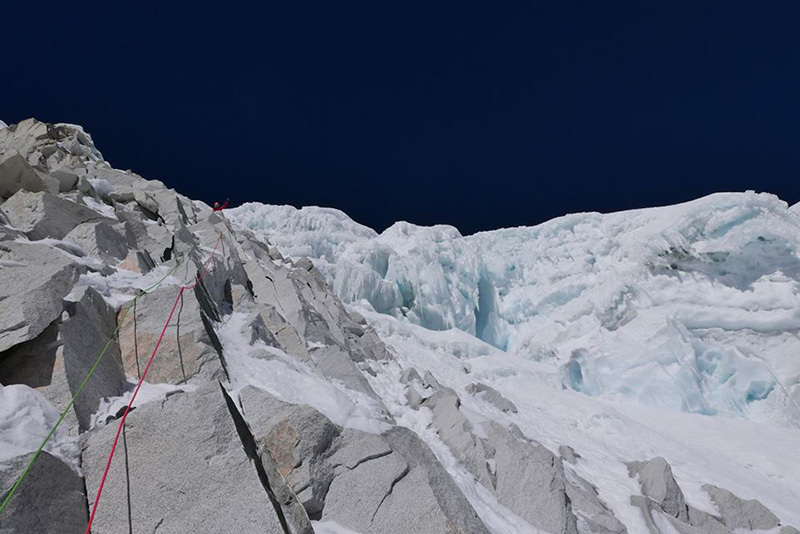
(655, 477)
(308, 321)
(372, 483)
(739, 513)
(663, 502)
(53, 500)
(50, 146)
(524, 475)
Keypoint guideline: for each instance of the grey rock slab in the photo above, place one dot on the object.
(35, 280)
(51, 500)
(736, 512)
(653, 514)
(41, 215)
(189, 471)
(658, 483)
(354, 498)
(87, 329)
(186, 349)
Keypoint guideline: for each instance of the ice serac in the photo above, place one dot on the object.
(659, 307)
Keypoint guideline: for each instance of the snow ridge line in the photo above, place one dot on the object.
(203, 271)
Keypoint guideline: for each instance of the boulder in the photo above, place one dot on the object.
(189, 471)
(16, 174)
(739, 513)
(99, 238)
(51, 500)
(35, 280)
(657, 482)
(42, 215)
(334, 361)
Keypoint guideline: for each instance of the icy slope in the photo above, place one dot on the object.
(691, 307)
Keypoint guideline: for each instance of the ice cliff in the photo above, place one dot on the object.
(556, 379)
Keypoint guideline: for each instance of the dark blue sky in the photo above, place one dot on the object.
(480, 115)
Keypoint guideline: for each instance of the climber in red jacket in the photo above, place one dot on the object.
(217, 207)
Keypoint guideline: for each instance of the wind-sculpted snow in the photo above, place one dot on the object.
(694, 307)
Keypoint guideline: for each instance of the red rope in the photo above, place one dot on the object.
(203, 271)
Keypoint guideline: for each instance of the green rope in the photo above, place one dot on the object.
(28, 467)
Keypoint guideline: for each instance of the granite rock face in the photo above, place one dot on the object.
(185, 460)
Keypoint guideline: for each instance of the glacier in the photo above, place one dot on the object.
(690, 308)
